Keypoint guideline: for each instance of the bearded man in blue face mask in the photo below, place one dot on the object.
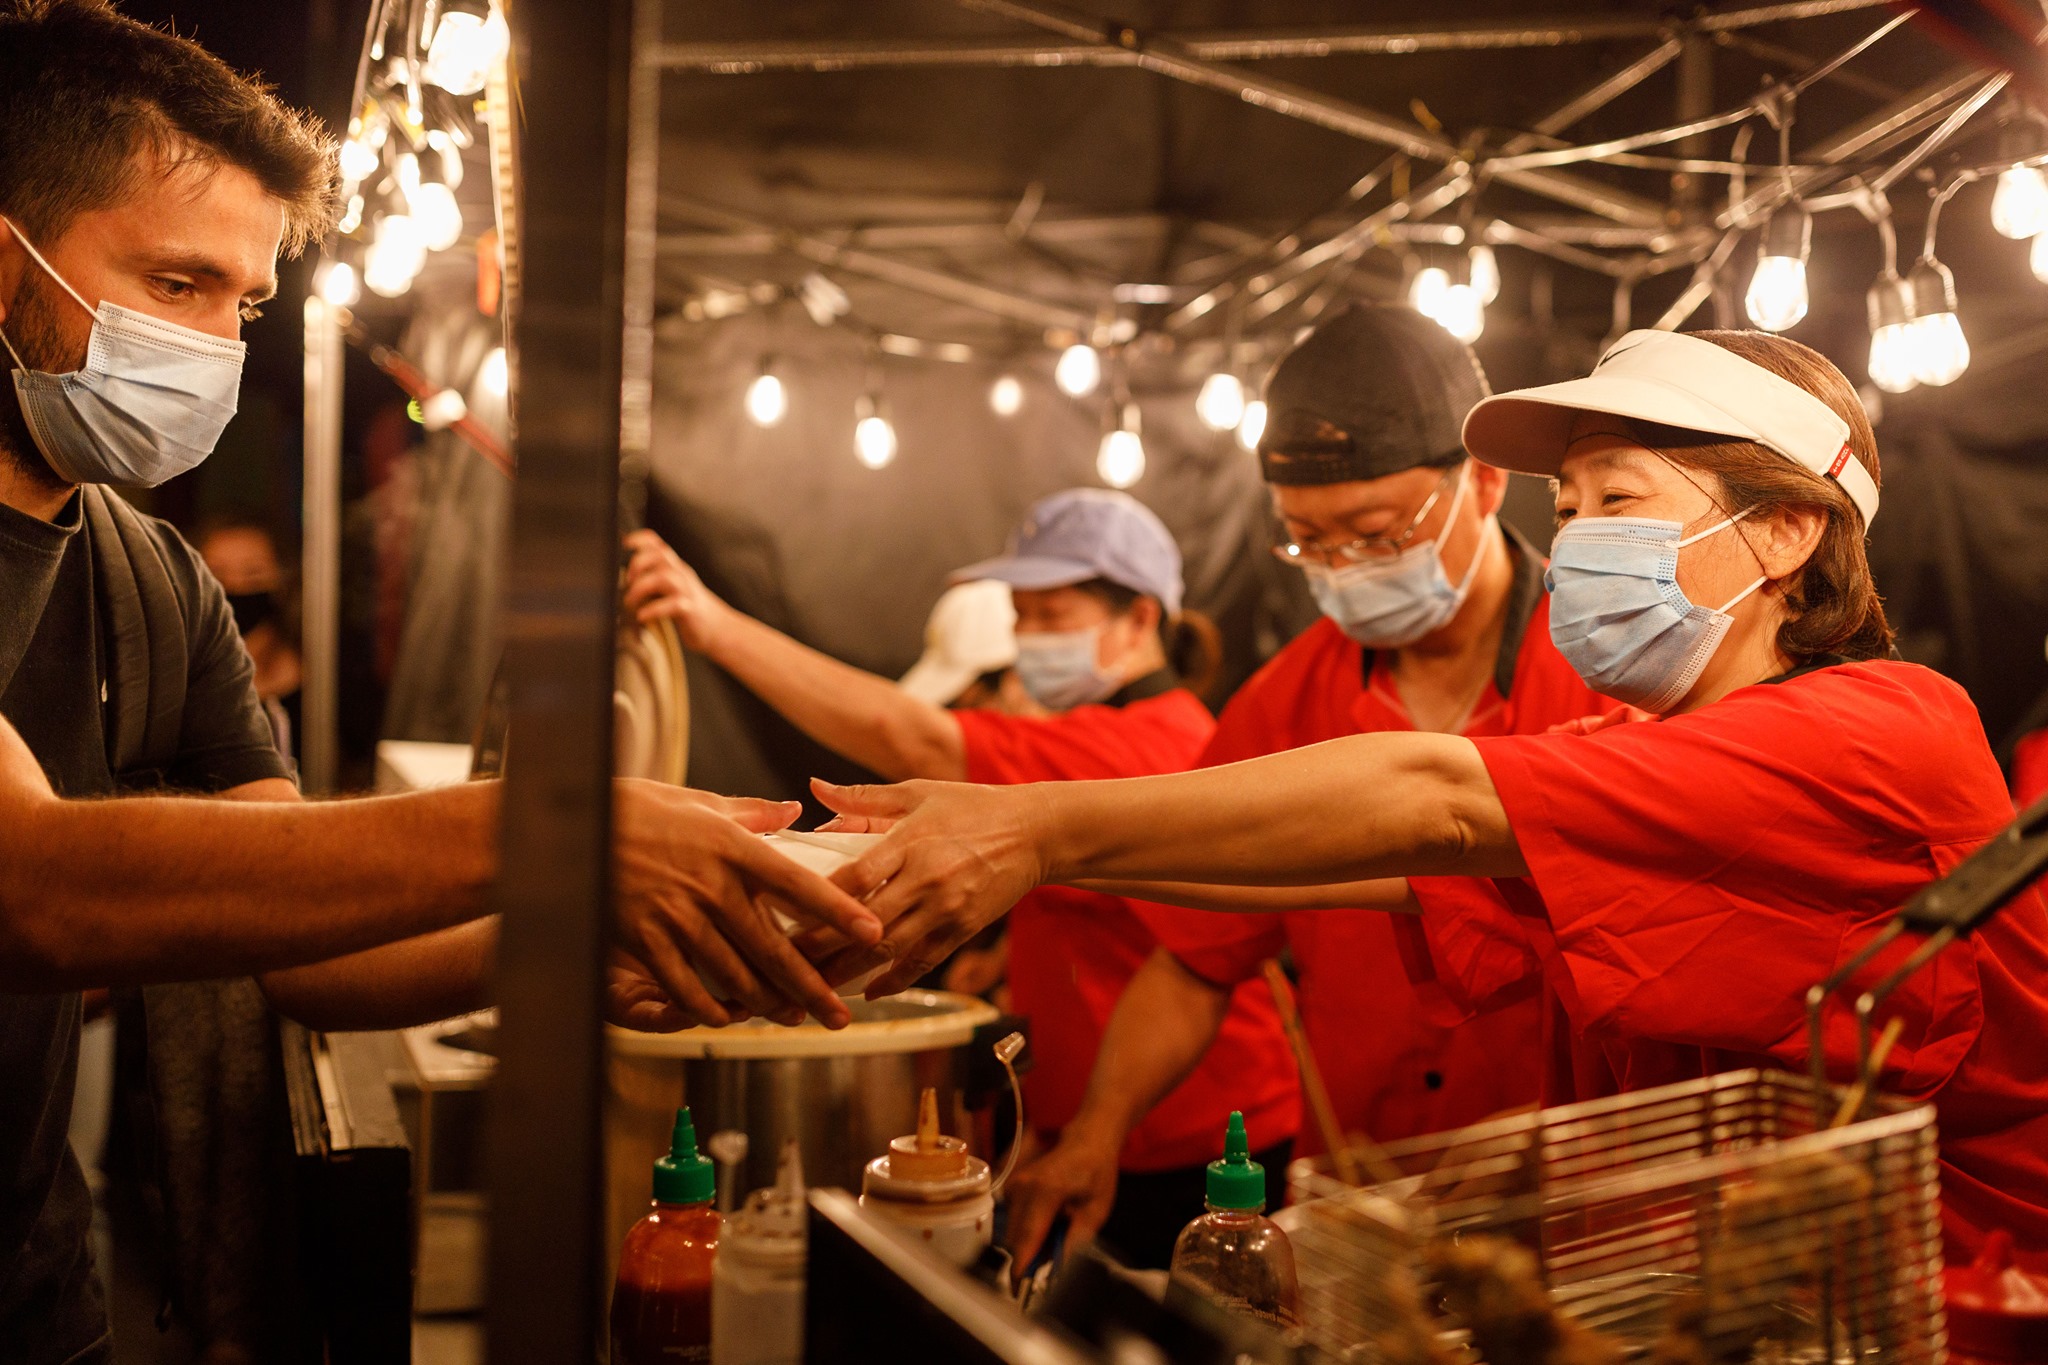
(1435, 619)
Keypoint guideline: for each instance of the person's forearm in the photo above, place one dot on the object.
(416, 981)
(97, 893)
(1386, 893)
(1356, 809)
(850, 711)
(1157, 1034)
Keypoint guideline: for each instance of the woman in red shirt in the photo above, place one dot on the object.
(1096, 581)
(1683, 882)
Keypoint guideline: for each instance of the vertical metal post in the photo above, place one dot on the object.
(319, 726)
(554, 886)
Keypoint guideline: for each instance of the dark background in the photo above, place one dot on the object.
(791, 529)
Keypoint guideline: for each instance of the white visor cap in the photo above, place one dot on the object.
(1680, 381)
(971, 631)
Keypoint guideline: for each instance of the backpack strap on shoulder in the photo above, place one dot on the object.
(145, 634)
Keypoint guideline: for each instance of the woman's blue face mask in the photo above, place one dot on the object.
(1618, 615)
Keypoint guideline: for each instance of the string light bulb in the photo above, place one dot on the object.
(1484, 272)
(1006, 396)
(468, 42)
(338, 285)
(874, 439)
(439, 216)
(1777, 299)
(1463, 312)
(1939, 350)
(1120, 459)
(1427, 290)
(1254, 424)
(2019, 206)
(767, 399)
(396, 256)
(1078, 370)
(1891, 367)
(359, 159)
(495, 374)
(1220, 404)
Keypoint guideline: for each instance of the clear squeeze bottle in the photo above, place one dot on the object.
(1233, 1255)
(661, 1304)
(757, 1290)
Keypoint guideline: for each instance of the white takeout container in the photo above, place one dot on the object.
(824, 853)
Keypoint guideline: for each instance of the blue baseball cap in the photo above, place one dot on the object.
(1086, 533)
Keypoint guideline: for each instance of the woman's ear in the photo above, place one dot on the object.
(1144, 616)
(1787, 539)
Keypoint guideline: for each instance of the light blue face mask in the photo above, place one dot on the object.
(1393, 602)
(1059, 671)
(1618, 615)
(150, 403)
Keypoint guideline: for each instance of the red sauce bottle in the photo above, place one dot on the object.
(661, 1304)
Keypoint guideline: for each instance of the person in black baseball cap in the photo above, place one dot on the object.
(1436, 620)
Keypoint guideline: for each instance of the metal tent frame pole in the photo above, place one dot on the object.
(547, 1247)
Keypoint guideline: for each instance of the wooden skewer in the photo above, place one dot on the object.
(1344, 1152)
(1852, 1103)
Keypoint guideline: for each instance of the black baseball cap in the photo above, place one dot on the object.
(1373, 391)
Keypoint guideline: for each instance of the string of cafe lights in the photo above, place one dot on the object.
(401, 165)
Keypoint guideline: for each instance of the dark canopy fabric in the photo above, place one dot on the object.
(1055, 184)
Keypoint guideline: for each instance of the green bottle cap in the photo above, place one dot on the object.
(1236, 1182)
(683, 1177)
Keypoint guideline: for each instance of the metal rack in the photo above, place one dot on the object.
(1718, 1213)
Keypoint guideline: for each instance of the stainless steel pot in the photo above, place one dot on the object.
(841, 1094)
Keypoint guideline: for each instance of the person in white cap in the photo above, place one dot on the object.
(970, 643)
(1106, 650)
(1687, 879)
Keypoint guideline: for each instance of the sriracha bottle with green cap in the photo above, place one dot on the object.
(661, 1304)
(1233, 1255)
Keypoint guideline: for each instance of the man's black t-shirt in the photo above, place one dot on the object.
(53, 672)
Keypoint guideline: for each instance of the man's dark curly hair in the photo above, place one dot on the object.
(91, 100)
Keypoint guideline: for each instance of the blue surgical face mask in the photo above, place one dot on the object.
(1390, 603)
(150, 403)
(1618, 615)
(1059, 669)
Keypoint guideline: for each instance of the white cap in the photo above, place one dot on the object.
(972, 630)
(1680, 381)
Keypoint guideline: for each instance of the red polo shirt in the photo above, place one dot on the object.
(1391, 1071)
(1690, 879)
(1072, 952)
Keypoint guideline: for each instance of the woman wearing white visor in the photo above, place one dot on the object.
(1684, 881)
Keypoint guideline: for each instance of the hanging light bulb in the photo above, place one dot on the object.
(495, 374)
(1254, 424)
(1078, 371)
(1220, 404)
(1462, 312)
(470, 39)
(1427, 290)
(1485, 272)
(1940, 351)
(336, 283)
(1120, 460)
(439, 216)
(874, 440)
(2037, 258)
(359, 159)
(1777, 297)
(767, 400)
(396, 256)
(2019, 206)
(1891, 340)
(1006, 396)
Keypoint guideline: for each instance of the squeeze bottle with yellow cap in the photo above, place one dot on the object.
(661, 1303)
(931, 1190)
(1233, 1255)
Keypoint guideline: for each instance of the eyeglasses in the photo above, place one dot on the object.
(1367, 547)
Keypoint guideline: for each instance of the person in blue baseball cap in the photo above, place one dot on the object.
(1107, 649)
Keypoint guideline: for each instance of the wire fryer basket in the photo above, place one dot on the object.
(1713, 1220)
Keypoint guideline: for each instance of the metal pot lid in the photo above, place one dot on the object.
(915, 1021)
